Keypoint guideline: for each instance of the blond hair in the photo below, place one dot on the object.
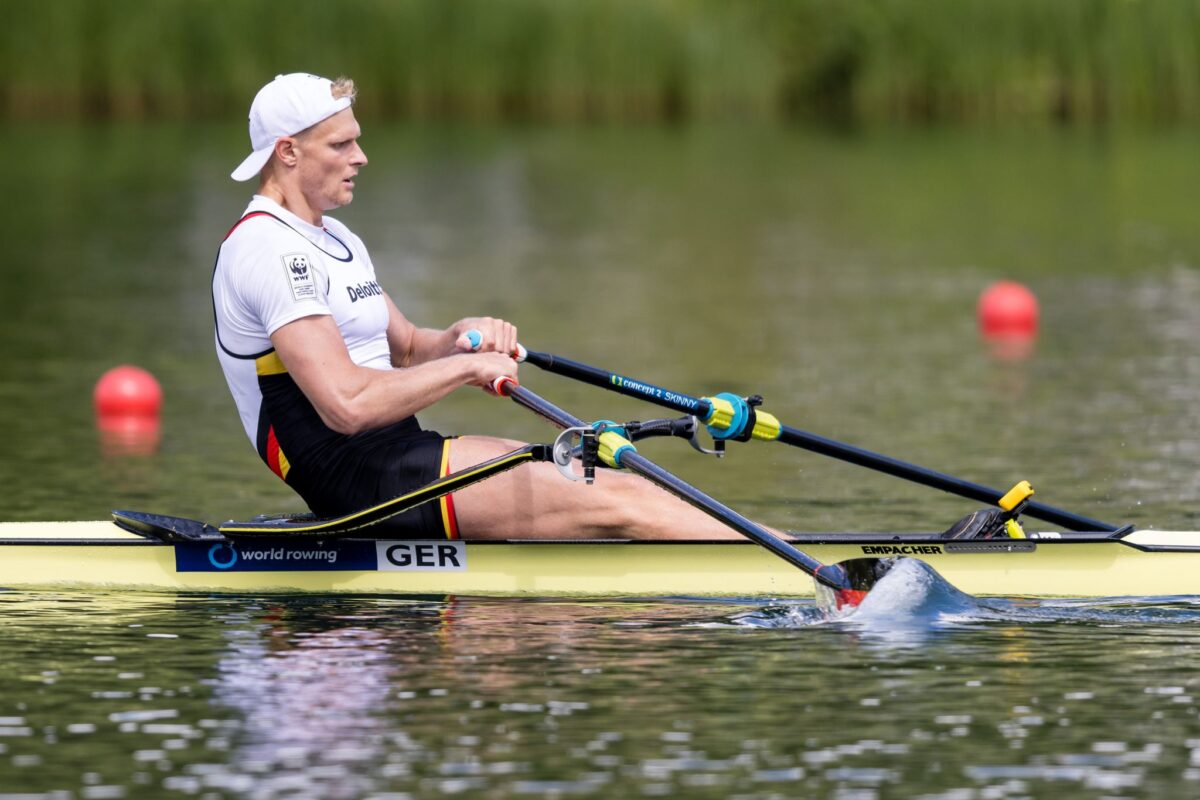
(344, 87)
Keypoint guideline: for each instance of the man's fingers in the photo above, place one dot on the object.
(470, 340)
(488, 334)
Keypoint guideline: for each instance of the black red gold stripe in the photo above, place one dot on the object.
(446, 501)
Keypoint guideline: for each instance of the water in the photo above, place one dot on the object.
(111, 695)
(836, 276)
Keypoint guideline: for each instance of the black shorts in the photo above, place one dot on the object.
(378, 469)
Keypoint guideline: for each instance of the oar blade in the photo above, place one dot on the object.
(847, 583)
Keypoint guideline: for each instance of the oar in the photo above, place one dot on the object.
(731, 417)
(848, 582)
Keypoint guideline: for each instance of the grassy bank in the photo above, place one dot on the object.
(1076, 61)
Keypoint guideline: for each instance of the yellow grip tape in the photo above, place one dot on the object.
(611, 445)
(720, 413)
(1016, 495)
(766, 426)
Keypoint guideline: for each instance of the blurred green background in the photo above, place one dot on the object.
(799, 199)
(1077, 61)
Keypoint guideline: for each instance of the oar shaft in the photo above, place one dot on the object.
(618, 383)
(809, 441)
(643, 466)
(933, 479)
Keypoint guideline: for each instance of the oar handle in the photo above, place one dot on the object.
(475, 339)
(503, 386)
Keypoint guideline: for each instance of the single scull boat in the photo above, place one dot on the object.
(987, 553)
(99, 555)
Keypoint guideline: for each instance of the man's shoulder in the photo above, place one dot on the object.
(255, 226)
(338, 228)
(258, 235)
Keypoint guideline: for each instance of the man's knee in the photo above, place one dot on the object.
(467, 451)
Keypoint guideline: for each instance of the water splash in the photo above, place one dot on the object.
(913, 602)
(912, 596)
(914, 592)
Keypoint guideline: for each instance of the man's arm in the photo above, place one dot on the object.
(411, 345)
(350, 398)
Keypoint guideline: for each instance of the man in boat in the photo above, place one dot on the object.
(327, 373)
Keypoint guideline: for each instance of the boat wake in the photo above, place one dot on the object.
(913, 601)
(911, 596)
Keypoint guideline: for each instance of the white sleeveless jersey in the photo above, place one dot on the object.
(274, 268)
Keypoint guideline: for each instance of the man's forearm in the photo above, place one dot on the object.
(430, 344)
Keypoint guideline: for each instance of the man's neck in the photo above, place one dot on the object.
(292, 200)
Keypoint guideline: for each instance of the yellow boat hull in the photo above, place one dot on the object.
(99, 555)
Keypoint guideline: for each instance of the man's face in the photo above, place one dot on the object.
(329, 160)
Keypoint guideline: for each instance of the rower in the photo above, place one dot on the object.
(328, 374)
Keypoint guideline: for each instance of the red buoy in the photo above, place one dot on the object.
(127, 391)
(1007, 308)
(128, 400)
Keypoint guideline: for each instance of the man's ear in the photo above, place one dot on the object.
(285, 150)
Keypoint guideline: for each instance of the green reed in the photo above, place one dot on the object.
(1093, 61)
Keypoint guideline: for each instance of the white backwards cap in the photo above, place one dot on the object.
(284, 107)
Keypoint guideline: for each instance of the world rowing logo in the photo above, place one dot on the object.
(222, 556)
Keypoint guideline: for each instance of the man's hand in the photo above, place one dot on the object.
(487, 367)
(495, 335)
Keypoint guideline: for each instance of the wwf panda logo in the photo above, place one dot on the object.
(298, 264)
(300, 276)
